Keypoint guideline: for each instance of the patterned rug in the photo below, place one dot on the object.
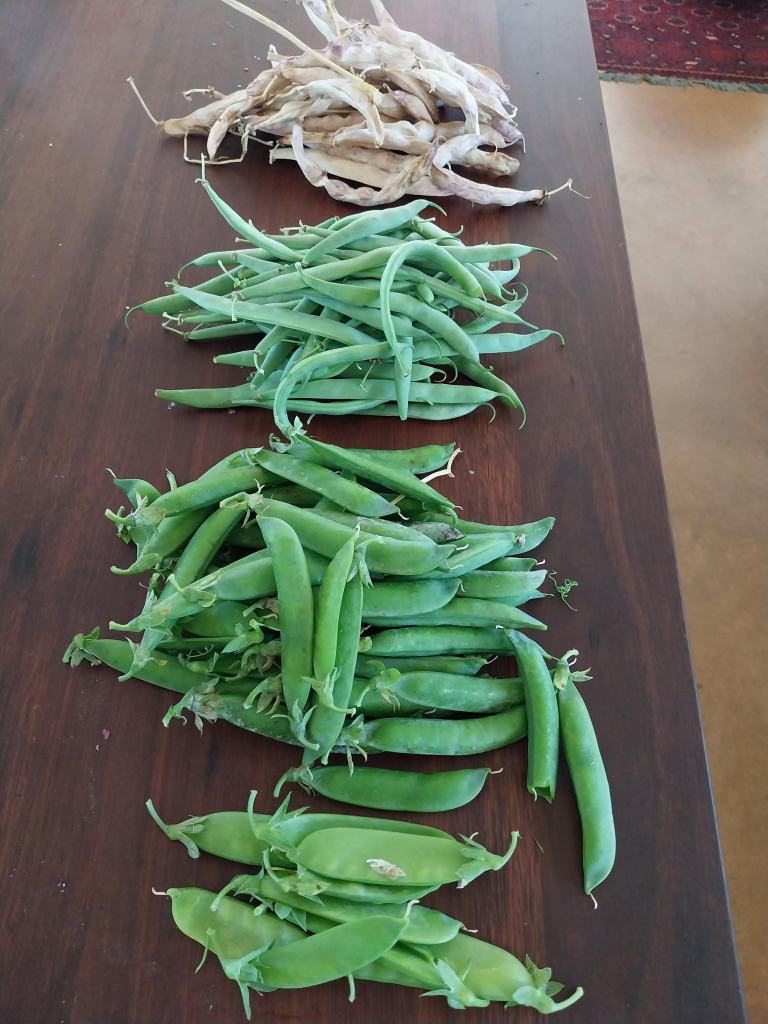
(720, 43)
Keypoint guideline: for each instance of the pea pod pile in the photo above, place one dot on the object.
(357, 316)
(345, 891)
(332, 599)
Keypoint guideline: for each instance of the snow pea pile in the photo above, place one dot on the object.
(358, 315)
(338, 897)
(332, 599)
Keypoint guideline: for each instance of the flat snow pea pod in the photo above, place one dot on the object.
(509, 564)
(225, 834)
(590, 781)
(383, 554)
(379, 471)
(320, 958)
(388, 790)
(500, 585)
(347, 493)
(369, 666)
(294, 595)
(165, 540)
(326, 724)
(369, 223)
(378, 857)
(328, 609)
(438, 640)
(443, 736)
(400, 599)
(480, 696)
(422, 921)
(543, 718)
(236, 928)
(465, 611)
(496, 975)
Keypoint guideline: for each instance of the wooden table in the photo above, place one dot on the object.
(99, 211)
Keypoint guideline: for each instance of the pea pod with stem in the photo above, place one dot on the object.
(543, 719)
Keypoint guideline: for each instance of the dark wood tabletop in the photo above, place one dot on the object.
(99, 209)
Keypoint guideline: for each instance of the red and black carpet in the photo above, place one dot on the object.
(721, 43)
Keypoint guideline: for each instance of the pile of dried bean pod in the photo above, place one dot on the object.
(338, 896)
(357, 316)
(280, 640)
(368, 108)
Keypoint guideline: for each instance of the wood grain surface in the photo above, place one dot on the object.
(99, 210)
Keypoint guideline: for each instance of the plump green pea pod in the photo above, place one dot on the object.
(388, 790)
(369, 666)
(368, 223)
(379, 471)
(378, 857)
(510, 564)
(201, 493)
(425, 926)
(495, 975)
(328, 609)
(294, 595)
(543, 718)
(400, 599)
(347, 493)
(326, 724)
(589, 778)
(383, 554)
(475, 551)
(480, 696)
(294, 494)
(170, 674)
(137, 491)
(164, 541)
(426, 641)
(378, 527)
(500, 585)
(465, 611)
(247, 536)
(448, 737)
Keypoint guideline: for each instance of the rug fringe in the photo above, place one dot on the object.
(617, 76)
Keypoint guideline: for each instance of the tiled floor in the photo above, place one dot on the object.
(692, 168)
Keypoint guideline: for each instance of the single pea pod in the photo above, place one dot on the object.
(438, 640)
(379, 857)
(389, 790)
(497, 976)
(589, 777)
(543, 718)
(448, 737)
(509, 587)
(465, 611)
(311, 884)
(425, 459)
(424, 925)
(368, 666)
(163, 541)
(419, 597)
(482, 695)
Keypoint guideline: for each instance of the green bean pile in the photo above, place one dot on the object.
(332, 599)
(345, 889)
(357, 316)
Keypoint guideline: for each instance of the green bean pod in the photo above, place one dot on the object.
(388, 790)
(543, 718)
(590, 782)
(294, 595)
